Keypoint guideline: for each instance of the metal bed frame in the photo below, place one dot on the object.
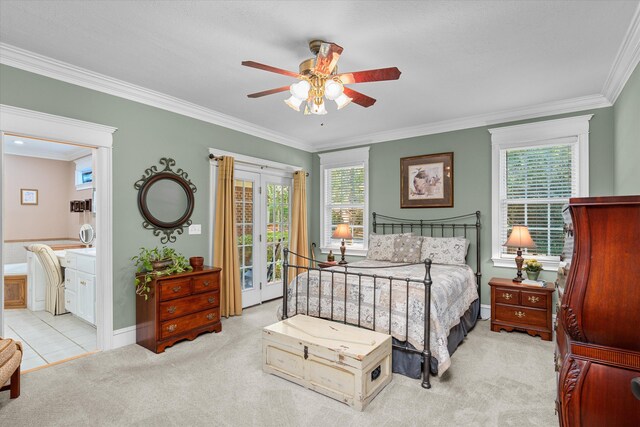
(457, 226)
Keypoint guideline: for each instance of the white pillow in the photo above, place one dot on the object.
(381, 246)
(445, 250)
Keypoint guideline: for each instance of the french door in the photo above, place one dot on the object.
(263, 223)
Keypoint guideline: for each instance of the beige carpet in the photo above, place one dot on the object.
(504, 379)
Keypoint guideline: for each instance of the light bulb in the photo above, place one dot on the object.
(320, 110)
(301, 89)
(332, 89)
(343, 100)
(294, 102)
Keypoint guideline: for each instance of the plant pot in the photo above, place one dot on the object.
(533, 275)
(161, 264)
(196, 262)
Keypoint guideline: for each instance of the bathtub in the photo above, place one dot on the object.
(15, 285)
(19, 269)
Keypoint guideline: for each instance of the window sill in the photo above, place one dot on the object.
(349, 251)
(511, 263)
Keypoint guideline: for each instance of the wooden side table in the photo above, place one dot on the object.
(521, 307)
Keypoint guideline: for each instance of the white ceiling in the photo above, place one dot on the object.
(463, 63)
(43, 149)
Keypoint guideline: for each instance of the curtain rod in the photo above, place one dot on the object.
(216, 158)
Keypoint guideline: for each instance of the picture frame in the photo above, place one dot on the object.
(426, 181)
(28, 196)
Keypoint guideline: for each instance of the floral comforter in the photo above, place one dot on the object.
(452, 292)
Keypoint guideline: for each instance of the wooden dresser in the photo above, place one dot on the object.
(598, 330)
(521, 307)
(180, 306)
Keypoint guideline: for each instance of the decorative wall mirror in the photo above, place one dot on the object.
(165, 200)
(87, 234)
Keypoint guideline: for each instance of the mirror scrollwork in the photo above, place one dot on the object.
(165, 200)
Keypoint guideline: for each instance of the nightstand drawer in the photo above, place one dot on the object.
(521, 315)
(507, 296)
(533, 299)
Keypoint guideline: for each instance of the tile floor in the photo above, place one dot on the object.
(47, 338)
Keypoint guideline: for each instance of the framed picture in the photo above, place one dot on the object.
(426, 181)
(28, 196)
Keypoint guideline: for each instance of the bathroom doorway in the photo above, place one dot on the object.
(48, 200)
(60, 167)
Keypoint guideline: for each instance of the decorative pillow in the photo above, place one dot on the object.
(381, 246)
(407, 249)
(445, 250)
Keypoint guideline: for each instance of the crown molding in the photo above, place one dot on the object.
(626, 60)
(39, 64)
(505, 116)
(29, 61)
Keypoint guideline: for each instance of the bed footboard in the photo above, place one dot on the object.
(351, 271)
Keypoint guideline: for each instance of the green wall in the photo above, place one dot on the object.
(145, 134)
(472, 178)
(627, 137)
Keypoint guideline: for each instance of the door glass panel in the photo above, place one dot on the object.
(277, 229)
(243, 196)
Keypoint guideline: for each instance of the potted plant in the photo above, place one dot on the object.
(533, 268)
(156, 262)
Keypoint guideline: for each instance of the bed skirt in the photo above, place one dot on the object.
(410, 364)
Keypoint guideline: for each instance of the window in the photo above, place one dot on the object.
(344, 198)
(536, 169)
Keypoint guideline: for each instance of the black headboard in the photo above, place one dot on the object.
(455, 226)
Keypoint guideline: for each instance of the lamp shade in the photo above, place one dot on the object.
(520, 238)
(342, 232)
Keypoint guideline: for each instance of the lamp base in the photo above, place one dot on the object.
(343, 249)
(519, 261)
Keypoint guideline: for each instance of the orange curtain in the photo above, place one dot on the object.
(299, 242)
(225, 249)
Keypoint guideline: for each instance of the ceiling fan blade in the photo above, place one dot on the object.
(264, 67)
(327, 58)
(359, 98)
(268, 92)
(377, 75)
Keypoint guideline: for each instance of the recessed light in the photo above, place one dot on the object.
(17, 141)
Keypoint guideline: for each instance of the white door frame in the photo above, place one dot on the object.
(251, 297)
(245, 163)
(56, 128)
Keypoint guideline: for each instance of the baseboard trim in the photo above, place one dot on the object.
(123, 337)
(485, 311)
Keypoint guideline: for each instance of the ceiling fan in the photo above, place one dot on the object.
(319, 79)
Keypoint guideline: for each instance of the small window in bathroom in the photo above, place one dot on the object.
(87, 176)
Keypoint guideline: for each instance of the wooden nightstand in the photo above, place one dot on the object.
(521, 307)
(327, 264)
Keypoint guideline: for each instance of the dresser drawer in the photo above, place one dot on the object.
(180, 307)
(189, 322)
(171, 289)
(507, 296)
(533, 299)
(206, 283)
(522, 315)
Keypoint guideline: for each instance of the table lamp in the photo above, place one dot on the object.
(519, 238)
(343, 232)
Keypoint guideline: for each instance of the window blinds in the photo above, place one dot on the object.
(535, 183)
(344, 202)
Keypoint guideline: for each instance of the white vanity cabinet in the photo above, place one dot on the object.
(80, 284)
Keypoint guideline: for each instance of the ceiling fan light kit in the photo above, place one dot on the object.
(319, 80)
